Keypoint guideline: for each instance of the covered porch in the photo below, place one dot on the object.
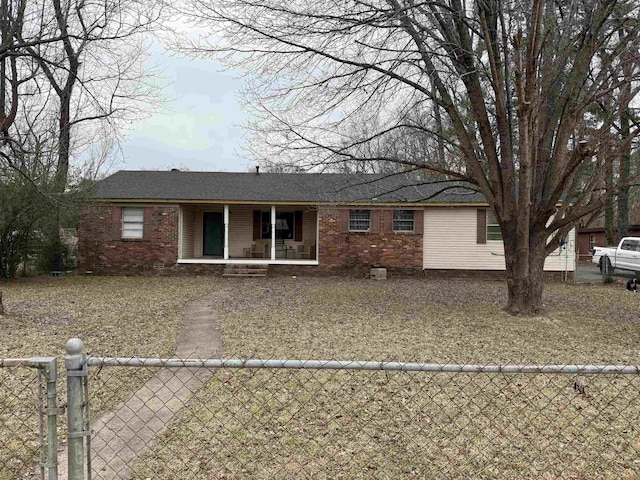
(248, 234)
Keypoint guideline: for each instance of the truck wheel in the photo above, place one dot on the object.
(605, 266)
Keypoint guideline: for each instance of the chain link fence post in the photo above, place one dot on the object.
(76, 370)
(51, 372)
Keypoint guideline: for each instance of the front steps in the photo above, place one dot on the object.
(236, 270)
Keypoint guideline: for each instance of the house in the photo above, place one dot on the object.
(594, 235)
(198, 222)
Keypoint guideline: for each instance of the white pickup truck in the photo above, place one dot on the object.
(626, 256)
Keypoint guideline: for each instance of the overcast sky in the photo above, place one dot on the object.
(199, 128)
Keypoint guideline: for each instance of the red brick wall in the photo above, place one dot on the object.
(584, 253)
(381, 246)
(102, 251)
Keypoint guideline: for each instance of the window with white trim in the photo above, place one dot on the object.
(359, 220)
(592, 241)
(493, 227)
(403, 221)
(132, 222)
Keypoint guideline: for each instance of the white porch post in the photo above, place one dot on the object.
(317, 257)
(273, 232)
(226, 232)
(180, 231)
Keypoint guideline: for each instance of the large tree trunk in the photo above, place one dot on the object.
(525, 276)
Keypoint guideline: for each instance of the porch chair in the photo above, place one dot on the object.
(306, 250)
(258, 249)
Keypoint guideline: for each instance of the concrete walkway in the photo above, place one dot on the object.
(130, 429)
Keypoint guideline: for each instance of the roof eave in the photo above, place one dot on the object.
(290, 202)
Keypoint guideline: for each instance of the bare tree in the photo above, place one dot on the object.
(616, 108)
(630, 64)
(64, 65)
(95, 69)
(515, 81)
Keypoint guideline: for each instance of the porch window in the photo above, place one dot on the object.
(132, 222)
(285, 225)
(359, 220)
(265, 229)
(493, 227)
(403, 221)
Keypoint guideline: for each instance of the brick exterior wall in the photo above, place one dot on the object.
(102, 250)
(340, 249)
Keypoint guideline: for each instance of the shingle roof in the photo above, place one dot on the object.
(281, 187)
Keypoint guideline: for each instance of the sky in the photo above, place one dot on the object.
(198, 129)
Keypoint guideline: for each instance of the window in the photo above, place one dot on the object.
(592, 241)
(403, 221)
(493, 228)
(359, 220)
(132, 222)
(285, 225)
(630, 245)
(266, 225)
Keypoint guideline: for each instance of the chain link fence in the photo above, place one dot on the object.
(28, 411)
(233, 419)
(293, 419)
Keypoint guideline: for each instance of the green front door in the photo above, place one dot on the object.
(213, 242)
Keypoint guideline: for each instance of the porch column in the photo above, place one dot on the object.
(180, 221)
(226, 232)
(273, 232)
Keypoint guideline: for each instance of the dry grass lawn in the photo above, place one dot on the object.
(123, 316)
(293, 424)
(311, 424)
(428, 321)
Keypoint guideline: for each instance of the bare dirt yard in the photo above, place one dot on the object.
(317, 424)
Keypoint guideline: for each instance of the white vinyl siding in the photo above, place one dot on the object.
(240, 229)
(450, 235)
(132, 222)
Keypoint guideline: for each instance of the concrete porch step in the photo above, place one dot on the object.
(245, 271)
(245, 275)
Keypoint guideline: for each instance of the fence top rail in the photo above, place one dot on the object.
(33, 362)
(360, 365)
